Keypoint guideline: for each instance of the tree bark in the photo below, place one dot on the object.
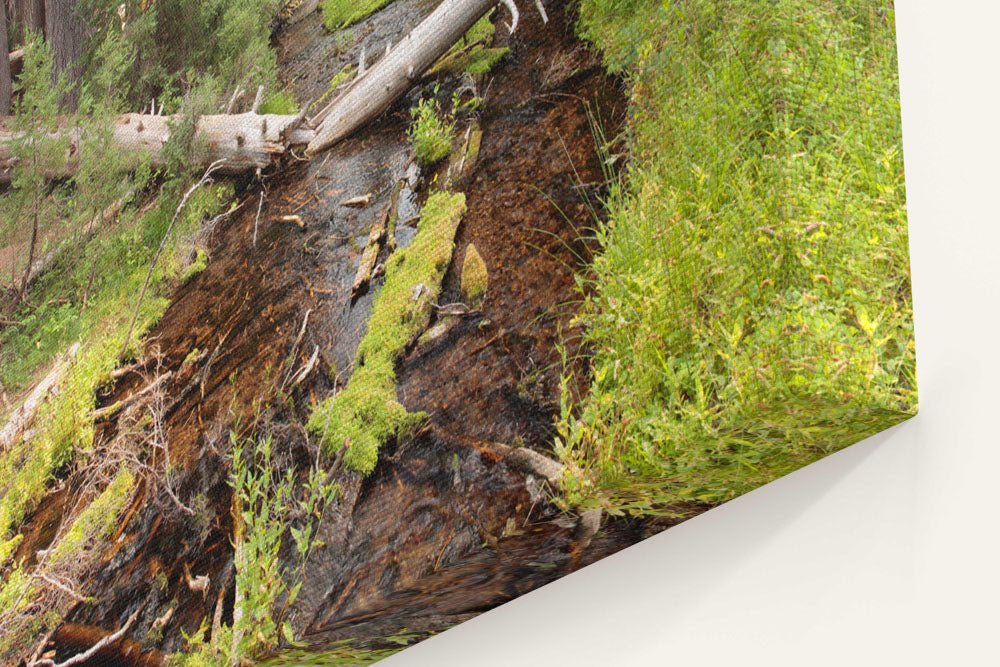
(5, 88)
(373, 92)
(25, 16)
(64, 35)
(243, 142)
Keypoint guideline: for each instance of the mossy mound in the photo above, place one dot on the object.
(366, 414)
(475, 277)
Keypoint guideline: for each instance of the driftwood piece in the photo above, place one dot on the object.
(24, 416)
(370, 253)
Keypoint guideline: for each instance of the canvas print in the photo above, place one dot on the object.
(327, 325)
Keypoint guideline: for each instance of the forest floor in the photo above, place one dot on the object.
(449, 524)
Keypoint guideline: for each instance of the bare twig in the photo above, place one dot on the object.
(89, 653)
(61, 586)
(256, 220)
(206, 178)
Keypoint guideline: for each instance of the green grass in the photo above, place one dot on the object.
(64, 427)
(339, 14)
(431, 132)
(749, 311)
(95, 523)
(366, 413)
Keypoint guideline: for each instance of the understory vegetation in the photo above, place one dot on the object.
(750, 310)
(82, 247)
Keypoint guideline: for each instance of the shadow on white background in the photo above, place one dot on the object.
(883, 554)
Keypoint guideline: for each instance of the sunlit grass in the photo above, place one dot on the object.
(750, 308)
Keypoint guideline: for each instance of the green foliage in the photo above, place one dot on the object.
(100, 323)
(19, 590)
(339, 14)
(264, 501)
(430, 133)
(175, 47)
(750, 309)
(280, 102)
(28, 212)
(366, 414)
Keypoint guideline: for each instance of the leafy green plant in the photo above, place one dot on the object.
(750, 309)
(263, 504)
(431, 132)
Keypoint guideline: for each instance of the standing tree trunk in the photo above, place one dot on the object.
(4, 63)
(26, 16)
(64, 34)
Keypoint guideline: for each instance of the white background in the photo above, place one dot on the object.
(886, 553)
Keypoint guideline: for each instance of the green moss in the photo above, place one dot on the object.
(339, 14)
(472, 54)
(366, 414)
(98, 520)
(475, 277)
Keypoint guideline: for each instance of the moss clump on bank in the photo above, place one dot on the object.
(750, 308)
(339, 14)
(475, 277)
(473, 54)
(366, 413)
(96, 522)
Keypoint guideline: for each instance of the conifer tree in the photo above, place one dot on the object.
(37, 150)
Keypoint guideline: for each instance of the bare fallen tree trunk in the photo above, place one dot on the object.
(372, 93)
(241, 142)
(247, 141)
(24, 416)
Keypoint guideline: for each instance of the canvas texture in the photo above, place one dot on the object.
(327, 326)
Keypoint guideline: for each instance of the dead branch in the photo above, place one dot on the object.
(206, 178)
(63, 587)
(370, 253)
(89, 653)
(370, 94)
(110, 410)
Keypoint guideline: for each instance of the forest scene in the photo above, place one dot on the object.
(326, 326)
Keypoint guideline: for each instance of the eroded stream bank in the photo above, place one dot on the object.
(446, 526)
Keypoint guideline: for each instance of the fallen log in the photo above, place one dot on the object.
(248, 141)
(373, 92)
(24, 416)
(240, 142)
